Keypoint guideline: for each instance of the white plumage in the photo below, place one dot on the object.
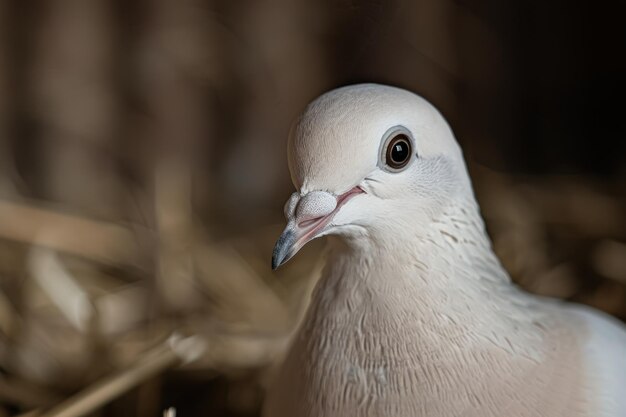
(414, 315)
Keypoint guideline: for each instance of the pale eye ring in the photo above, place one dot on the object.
(397, 149)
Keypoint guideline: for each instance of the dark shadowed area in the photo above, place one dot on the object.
(143, 172)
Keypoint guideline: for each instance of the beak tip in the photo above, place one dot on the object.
(279, 258)
(283, 249)
(275, 264)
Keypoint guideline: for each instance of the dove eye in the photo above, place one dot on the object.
(398, 152)
(397, 149)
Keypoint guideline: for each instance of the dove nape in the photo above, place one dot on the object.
(414, 315)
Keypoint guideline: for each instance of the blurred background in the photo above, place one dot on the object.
(143, 173)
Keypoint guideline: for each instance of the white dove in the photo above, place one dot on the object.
(414, 315)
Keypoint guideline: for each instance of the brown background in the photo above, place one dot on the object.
(143, 168)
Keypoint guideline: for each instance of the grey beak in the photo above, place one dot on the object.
(283, 250)
(307, 216)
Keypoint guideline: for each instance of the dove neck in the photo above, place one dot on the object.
(448, 261)
(426, 308)
(453, 241)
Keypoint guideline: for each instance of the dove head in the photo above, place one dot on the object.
(368, 162)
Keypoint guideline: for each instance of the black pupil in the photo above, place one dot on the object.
(399, 151)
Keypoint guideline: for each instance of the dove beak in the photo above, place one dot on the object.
(305, 225)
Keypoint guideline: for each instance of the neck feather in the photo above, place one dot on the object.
(445, 278)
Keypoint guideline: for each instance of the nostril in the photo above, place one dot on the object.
(314, 205)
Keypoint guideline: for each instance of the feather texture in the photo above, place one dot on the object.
(414, 314)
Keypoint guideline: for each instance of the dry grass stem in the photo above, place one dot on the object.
(156, 361)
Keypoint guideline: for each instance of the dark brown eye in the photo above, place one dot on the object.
(398, 151)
